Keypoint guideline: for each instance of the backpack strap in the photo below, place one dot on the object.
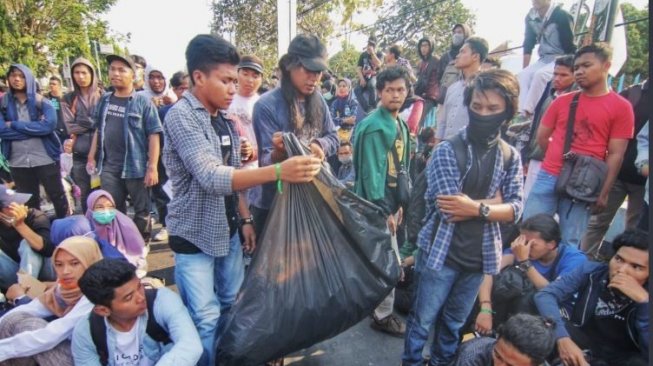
(99, 335)
(460, 152)
(507, 153)
(570, 125)
(153, 329)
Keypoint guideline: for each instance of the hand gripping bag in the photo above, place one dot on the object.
(323, 263)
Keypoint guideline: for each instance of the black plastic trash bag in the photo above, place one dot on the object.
(323, 263)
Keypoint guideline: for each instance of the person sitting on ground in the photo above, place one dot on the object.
(523, 340)
(25, 332)
(611, 313)
(540, 255)
(122, 318)
(346, 169)
(24, 239)
(344, 109)
(116, 229)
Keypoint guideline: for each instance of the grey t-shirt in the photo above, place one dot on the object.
(114, 135)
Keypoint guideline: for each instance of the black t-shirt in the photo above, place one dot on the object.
(114, 135)
(608, 325)
(365, 63)
(466, 252)
(61, 127)
(10, 238)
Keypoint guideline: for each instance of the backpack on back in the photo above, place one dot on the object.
(417, 206)
(99, 329)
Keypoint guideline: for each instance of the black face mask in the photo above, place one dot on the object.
(485, 130)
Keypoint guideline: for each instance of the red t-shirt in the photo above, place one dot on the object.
(598, 119)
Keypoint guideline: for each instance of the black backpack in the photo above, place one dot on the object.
(99, 329)
(417, 211)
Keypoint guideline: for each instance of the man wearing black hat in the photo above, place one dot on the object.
(24, 239)
(369, 63)
(296, 106)
(250, 78)
(126, 144)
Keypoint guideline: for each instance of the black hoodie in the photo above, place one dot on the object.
(427, 85)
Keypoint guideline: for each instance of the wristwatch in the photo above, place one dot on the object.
(525, 265)
(247, 221)
(484, 210)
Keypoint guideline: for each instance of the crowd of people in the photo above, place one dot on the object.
(476, 170)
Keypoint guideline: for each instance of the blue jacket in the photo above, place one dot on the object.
(141, 121)
(172, 316)
(43, 119)
(587, 280)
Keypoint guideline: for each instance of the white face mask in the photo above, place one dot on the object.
(345, 159)
(458, 39)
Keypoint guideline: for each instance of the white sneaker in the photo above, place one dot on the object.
(162, 235)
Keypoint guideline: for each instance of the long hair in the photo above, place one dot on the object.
(313, 107)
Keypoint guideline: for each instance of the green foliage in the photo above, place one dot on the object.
(637, 40)
(41, 33)
(405, 22)
(344, 62)
(253, 23)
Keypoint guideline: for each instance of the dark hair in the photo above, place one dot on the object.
(391, 74)
(531, 335)
(494, 61)
(55, 78)
(395, 50)
(206, 51)
(637, 239)
(139, 60)
(329, 85)
(543, 224)
(177, 78)
(565, 60)
(602, 50)
(100, 280)
(501, 81)
(345, 143)
(478, 46)
(313, 104)
(426, 134)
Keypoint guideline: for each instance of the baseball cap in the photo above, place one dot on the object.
(311, 52)
(126, 60)
(8, 196)
(251, 64)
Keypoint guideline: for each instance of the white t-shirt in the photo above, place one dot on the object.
(240, 111)
(129, 347)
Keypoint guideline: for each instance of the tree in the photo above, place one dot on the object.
(344, 62)
(253, 23)
(41, 33)
(637, 39)
(405, 22)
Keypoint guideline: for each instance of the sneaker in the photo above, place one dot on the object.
(390, 324)
(162, 235)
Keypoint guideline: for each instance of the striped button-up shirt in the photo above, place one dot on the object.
(200, 180)
(444, 178)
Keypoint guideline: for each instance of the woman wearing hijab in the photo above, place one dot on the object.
(26, 338)
(116, 229)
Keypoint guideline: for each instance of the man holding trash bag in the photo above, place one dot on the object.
(381, 155)
(461, 238)
(202, 155)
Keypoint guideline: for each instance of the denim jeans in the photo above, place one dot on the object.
(208, 286)
(30, 262)
(573, 216)
(443, 299)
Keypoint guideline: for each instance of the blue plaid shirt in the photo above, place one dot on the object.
(141, 121)
(200, 180)
(444, 178)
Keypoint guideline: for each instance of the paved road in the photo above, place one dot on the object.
(358, 346)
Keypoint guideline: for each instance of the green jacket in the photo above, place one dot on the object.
(374, 137)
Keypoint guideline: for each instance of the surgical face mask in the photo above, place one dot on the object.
(458, 39)
(327, 96)
(345, 159)
(104, 217)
